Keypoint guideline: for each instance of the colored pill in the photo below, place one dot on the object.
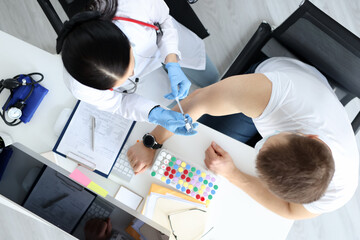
(188, 191)
(192, 182)
(208, 177)
(207, 202)
(193, 169)
(205, 182)
(213, 179)
(163, 166)
(202, 199)
(178, 162)
(173, 171)
(191, 174)
(183, 189)
(208, 189)
(176, 167)
(191, 187)
(166, 173)
(163, 179)
(195, 189)
(188, 167)
(171, 164)
(178, 186)
(153, 174)
(210, 197)
(213, 192)
(186, 171)
(192, 194)
(196, 177)
(200, 179)
(183, 176)
(186, 184)
(181, 181)
(201, 191)
(216, 187)
(171, 176)
(168, 168)
(197, 196)
(203, 187)
(178, 174)
(203, 174)
(198, 184)
(183, 164)
(175, 179)
(210, 184)
(205, 194)
(168, 181)
(173, 159)
(198, 172)
(188, 179)
(181, 169)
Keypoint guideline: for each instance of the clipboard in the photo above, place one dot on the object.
(110, 145)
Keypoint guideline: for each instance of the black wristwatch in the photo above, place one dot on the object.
(150, 142)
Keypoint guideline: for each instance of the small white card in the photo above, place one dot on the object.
(128, 198)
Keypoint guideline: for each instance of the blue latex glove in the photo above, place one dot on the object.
(180, 84)
(171, 120)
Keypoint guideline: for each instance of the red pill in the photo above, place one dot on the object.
(171, 176)
(166, 173)
(197, 196)
(188, 191)
(188, 179)
(168, 168)
(202, 199)
(186, 171)
(183, 176)
(173, 171)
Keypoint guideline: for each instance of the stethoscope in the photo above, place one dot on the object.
(159, 33)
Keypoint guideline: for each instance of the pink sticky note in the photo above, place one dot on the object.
(80, 177)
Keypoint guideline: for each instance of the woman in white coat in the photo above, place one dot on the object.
(105, 51)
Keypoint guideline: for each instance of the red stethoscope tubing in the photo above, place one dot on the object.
(136, 21)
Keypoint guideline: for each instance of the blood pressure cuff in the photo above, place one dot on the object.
(32, 103)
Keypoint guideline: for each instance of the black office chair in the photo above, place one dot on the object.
(312, 37)
(179, 9)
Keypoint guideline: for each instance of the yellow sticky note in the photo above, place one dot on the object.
(96, 188)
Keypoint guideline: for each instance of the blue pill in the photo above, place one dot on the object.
(176, 167)
(188, 167)
(178, 186)
(198, 172)
(183, 189)
(168, 181)
(213, 192)
(200, 179)
(178, 174)
(210, 184)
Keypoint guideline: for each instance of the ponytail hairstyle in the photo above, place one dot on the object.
(93, 49)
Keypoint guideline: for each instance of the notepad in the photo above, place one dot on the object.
(76, 139)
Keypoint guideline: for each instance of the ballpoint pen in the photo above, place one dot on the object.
(188, 124)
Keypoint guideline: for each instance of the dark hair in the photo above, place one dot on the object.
(298, 171)
(96, 52)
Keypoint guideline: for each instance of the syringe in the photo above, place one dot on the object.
(188, 124)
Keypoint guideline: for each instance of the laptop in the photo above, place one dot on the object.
(43, 188)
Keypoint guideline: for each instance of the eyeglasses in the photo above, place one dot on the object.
(131, 90)
(188, 210)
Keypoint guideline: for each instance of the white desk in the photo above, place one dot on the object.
(234, 214)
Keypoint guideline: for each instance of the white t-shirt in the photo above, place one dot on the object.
(302, 100)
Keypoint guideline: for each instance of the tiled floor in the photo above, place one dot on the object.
(231, 24)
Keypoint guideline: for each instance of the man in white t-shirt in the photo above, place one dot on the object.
(308, 159)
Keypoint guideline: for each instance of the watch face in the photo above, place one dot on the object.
(148, 141)
(14, 113)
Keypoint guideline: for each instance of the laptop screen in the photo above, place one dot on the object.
(46, 192)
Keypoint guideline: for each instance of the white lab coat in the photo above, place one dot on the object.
(148, 56)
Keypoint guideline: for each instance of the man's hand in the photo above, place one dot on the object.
(98, 229)
(140, 157)
(219, 161)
